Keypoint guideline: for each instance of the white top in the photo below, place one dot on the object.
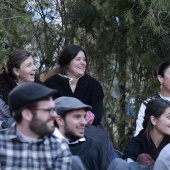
(59, 135)
(141, 114)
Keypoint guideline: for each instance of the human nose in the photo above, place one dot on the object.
(53, 113)
(83, 121)
(83, 61)
(34, 67)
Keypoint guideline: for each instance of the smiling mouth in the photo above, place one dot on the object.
(32, 74)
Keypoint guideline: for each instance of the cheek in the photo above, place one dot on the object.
(71, 123)
(24, 72)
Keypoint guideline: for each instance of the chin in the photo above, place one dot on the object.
(80, 74)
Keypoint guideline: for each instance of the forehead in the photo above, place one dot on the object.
(167, 70)
(75, 112)
(80, 54)
(29, 59)
(167, 110)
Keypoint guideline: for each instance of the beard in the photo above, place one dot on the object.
(69, 134)
(40, 127)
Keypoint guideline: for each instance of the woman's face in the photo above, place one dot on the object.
(165, 81)
(77, 66)
(162, 124)
(26, 72)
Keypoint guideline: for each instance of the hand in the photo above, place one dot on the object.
(7, 123)
(89, 117)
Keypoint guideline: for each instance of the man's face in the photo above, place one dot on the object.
(42, 121)
(74, 124)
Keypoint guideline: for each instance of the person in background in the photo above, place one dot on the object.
(163, 76)
(19, 68)
(71, 79)
(71, 123)
(146, 146)
(29, 143)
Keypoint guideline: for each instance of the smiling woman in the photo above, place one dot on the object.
(146, 146)
(19, 68)
(70, 79)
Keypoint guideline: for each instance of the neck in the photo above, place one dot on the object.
(26, 131)
(156, 137)
(164, 93)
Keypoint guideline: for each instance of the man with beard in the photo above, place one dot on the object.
(30, 144)
(71, 126)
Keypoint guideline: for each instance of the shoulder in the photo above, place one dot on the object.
(145, 102)
(92, 79)
(91, 82)
(52, 78)
(53, 81)
(137, 140)
(58, 143)
(3, 133)
(93, 141)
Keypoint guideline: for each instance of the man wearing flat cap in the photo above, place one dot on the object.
(30, 144)
(70, 122)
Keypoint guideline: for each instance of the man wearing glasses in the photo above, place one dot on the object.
(29, 143)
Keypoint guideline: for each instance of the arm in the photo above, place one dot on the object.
(5, 115)
(140, 119)
(63, 160)
(96, 101)
(97, 111)
(133, 149)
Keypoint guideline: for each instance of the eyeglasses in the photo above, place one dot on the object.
(51, 111)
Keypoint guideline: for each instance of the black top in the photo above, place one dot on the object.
(90, 152)
(140, 144)
(88, 90)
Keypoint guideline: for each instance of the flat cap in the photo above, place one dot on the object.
(27, 93)
(65, 104)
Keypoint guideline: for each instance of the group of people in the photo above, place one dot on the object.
(148, 149)
(21, 116)
(57, 123)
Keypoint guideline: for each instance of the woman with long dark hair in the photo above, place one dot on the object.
(19, 68)
(154, 135)
(162, 73)
(70, 79)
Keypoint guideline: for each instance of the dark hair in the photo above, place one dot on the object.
(15, 59)
(17, 114)
(67, 54)
(162, 68)
(156, 108)
(63, 116)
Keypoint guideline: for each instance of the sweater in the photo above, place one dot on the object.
(140, 144)
(88, 90)
(90, 152)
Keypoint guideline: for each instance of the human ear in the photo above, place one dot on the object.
(153, 120)
(15, 71)
(160, 79)
(59, 120)
(27, 114)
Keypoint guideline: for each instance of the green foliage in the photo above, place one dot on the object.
(124, 41)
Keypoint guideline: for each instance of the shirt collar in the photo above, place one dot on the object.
(59, 135)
